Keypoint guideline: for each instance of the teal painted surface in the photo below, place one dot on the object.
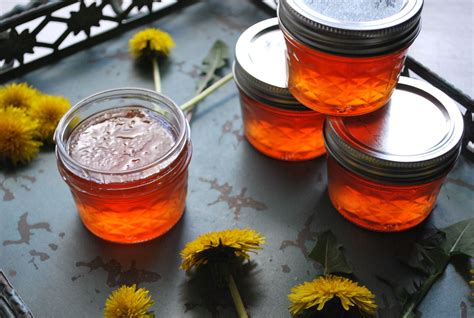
(61, 270)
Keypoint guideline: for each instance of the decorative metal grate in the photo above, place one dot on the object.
(11, 304)
(46, 32)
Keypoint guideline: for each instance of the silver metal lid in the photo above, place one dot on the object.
(351, 28)
(260, 65)
(415, 138)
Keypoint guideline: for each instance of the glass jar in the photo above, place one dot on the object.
(130, 187)
(385, 169)
(275, 123)
(344, 58)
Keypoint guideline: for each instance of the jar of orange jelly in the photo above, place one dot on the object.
(124, 154)
(275, 123)
(385, 169)
(345, 56)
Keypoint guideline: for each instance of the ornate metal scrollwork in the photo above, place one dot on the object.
(19, 34)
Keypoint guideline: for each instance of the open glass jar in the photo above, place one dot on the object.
(124, 154)
(385, 169)
(345, 57)
(275, 123)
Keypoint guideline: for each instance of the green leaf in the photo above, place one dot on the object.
(386, 309)
(401, 293)
(435, 260)
(431, 257)
(328, 253)
(215, 60)
(459, 238)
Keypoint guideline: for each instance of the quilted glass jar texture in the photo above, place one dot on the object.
(274, 122)
(346, 63)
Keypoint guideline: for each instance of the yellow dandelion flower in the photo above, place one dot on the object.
(151, 42)
(17, 136)
(321, 290)
(17, 95)
(238, 241)
(128, 302)
(48, 110)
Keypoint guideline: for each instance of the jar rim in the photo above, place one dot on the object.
(365, 38)
(265, 83)
(263, 92)
(116, 93)
(365, 145)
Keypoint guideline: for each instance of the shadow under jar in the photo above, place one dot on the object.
(345, 57)
(385, 169)
(124, 154)
(275, 123)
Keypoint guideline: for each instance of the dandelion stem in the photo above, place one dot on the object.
(196, 99)
(156, 75)
(239, 305)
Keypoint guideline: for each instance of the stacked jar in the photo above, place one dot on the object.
(274, 122)
(390, 141)
(345, 57)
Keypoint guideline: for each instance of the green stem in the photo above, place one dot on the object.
(156, 75)
(424, 288)
(239, 305)
(196, 99)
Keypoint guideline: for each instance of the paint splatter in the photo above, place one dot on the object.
(234, 202)
(12, 273)
(42, 257)
(117, 276)
(229, 129)
(304, 235)
(8, 194)
(53, 246)
(25, 230)
(193, 73)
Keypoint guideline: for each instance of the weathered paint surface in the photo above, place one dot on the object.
(44, 246)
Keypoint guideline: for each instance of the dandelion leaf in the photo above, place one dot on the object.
(459, 238)
(215, 60)
(328, 252)
(430, 258)
(389, 312)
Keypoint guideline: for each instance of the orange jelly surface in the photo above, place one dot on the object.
(338, 85)
(120, 206)
(378, 206)
(282, 134)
